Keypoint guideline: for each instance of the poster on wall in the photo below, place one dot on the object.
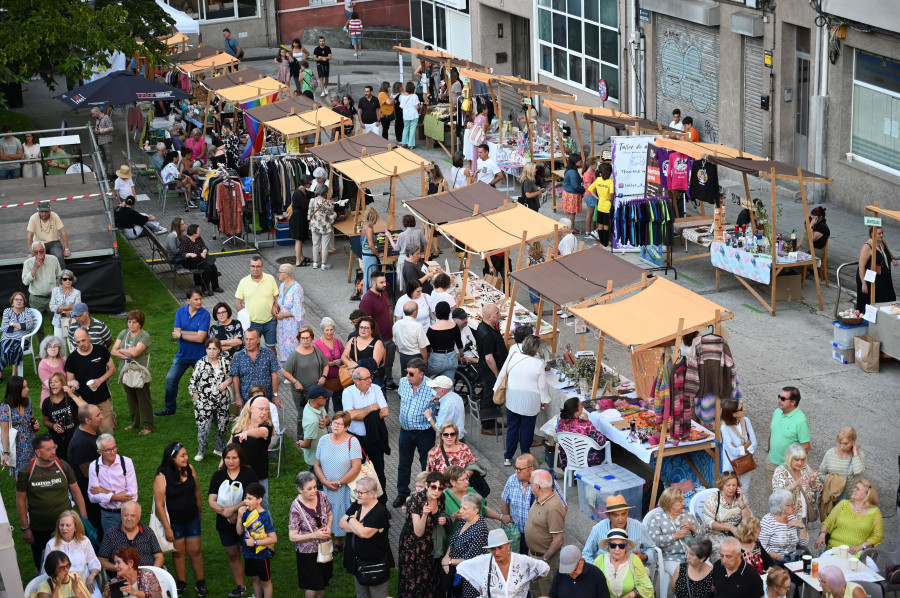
(629, 163)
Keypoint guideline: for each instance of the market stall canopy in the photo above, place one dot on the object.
(382, 167)
(620, 120)
(193, 55)
(895, 214)
(650, 317)
(700, 150)
(764, 168)
(580, 275)
(250, 91)
(523, 86)
(500, 229)
(232, 79)
(564, 108)
(282, 108)
(205, 64)
(452, 61)
(351, 148)
(307, 122)
(184, 23)
(424, 52)
(176, 39)
(118, 88)
(458, 203)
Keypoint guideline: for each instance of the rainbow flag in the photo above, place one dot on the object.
(253, 126)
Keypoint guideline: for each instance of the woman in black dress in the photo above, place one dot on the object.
(299, 221)
(419, 571)
(884, 284)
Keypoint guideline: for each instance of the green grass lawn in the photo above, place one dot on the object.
(148, 294)
(18, 121)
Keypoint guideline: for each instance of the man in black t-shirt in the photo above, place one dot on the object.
(492, 354)
(322, 56)
(91, 366)
(369, 110)
(732, 576)
(83, 452)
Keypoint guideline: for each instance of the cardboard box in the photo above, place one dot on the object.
(789, 288)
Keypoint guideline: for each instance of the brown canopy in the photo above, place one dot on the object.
(232, 79)
(764, 168)
(294, 105)
(623, 121)
(448, 61)
(370, 170)
(458, 203)
(579, 275)
(527, 88)
(252, 90)
(351, 148)
(195, 54)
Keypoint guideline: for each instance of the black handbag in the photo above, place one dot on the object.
(372, 574)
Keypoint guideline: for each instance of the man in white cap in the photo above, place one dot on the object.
(617, 510)
(449, 406)
(577, 579)
(489, 568)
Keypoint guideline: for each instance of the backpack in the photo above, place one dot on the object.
(121, 461)
(313, 81)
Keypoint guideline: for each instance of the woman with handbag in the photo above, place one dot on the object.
(176, 497)
(305, 367)
(467, 542)
(332, 348)
(226, 495)
(338, 461)
(724, 510)
(310, 521)
(17, 426)
(415, 292)
(739, 442)
(527, 394)
(368, 557)
(209, 388)
(133, 345)
(797, 476)
(419, 572)
(366, 350)
(449, 451)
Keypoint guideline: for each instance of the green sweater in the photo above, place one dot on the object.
(846, 526)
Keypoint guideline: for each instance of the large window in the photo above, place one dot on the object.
(214, 10)
(436, 23)
(875, 136)
(579, 42)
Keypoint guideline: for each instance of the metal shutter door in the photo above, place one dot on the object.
(687, 74)
(459, 35)
(754, 87)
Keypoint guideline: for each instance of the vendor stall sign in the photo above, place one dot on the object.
(872, 221)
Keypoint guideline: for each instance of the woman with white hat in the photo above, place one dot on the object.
(502, 573)
(625, 574)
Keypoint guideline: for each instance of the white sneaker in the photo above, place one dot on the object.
(326, 266)
(315, 264)
(199, 457)
(323, 94)
(594, 235)
(507, 462)
(345, 30)
(162, 230)
(217, 453)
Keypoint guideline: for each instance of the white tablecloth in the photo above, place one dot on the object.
(642, 451)
(862, 573)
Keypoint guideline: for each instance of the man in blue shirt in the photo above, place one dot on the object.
(415, 431)
(191, 329)
(255, 365)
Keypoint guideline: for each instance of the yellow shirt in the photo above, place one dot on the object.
(258, 297)
(603, 191)
(386, 109)
(45, 232)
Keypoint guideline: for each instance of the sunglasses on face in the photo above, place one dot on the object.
(448, 434)
(617, 545)
(436, 486)
(65, 278)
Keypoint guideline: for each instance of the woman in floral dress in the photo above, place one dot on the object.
(450, 451)
(16, 412)
(724, 510)
(209, 388)
(419, 571)
(570, 421)
(290, 315)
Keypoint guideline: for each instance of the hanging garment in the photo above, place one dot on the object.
(704, 185)
(679, 171)
(710, 367)
(230, 203)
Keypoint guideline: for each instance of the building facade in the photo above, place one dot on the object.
(252, 22)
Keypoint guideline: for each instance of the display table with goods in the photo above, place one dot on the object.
(886, 328)
(512, 151)
(478, 292)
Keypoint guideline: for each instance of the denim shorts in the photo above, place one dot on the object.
(590, 201)
(186, 531)
(269, 331)
(355, 37)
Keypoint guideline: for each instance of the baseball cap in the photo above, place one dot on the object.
(568, 558)
(459, 314)
(315, 391)
(43, 206)
(79, 309)
(440, 382)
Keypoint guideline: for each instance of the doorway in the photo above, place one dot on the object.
(801, 99)
(521, 47)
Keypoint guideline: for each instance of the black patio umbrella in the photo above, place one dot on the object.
(120, 88)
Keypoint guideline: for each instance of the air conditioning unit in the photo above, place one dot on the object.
(757, 4)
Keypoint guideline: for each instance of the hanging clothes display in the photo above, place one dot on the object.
(645, 221)
(679, 171)
(210, 191)
(710, 368)
(274, 180)
(704, 183)
(670, 401)
(230, 205)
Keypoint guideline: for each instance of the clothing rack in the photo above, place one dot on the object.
(235, 220)
(255, 193)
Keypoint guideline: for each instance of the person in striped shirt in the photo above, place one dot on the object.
(354, 24)
(782, 531)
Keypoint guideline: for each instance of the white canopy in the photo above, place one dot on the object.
(183, 22)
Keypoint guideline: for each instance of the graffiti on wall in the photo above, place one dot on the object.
(688, 81)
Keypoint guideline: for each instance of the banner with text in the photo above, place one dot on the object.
(629, 163)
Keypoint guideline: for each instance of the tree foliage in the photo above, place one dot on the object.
(73, 37)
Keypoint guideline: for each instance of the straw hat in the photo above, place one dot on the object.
(497, 537)
(617, 534)
(616, 503)
(124, 172)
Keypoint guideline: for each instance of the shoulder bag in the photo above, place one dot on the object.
(744, 463)
(344, 373)
(500, 392)
(366, 469)
(12, 450)
(160, 532)
(325, 550)
(371, 574)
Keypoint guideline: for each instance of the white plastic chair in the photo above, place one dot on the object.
(166, 581)
(32, 586)
(28, 348)
(661, 578)
(577, 447)
(697, 502)
(243, 317)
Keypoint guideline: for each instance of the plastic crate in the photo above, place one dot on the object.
(842, 353)
(844, 333)
(597, 483)
(283, 234)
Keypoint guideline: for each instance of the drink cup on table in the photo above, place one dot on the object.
(854, 564)
(815, 570)
(844, 551)
(807, 563)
